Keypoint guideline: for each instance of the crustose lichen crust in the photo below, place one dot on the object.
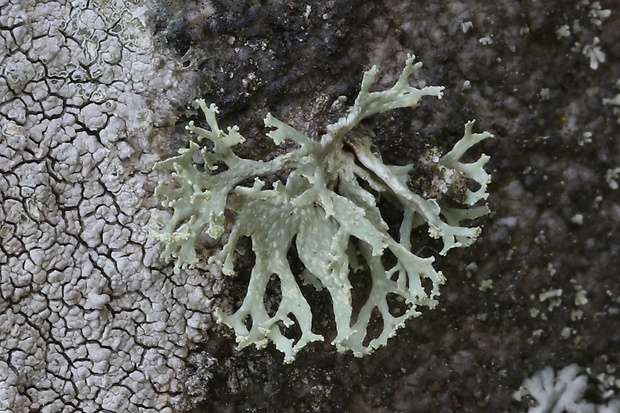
(327, 210)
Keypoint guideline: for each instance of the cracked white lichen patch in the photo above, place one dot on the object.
(89, 321)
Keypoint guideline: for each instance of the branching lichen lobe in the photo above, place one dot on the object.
(327, 209)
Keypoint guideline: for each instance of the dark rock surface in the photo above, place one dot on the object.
(541, 285)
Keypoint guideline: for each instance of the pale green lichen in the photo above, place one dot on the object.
(327, 209)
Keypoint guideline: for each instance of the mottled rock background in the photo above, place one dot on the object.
(541, 286)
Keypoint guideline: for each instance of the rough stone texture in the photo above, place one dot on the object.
(541, 287)
(88, 314)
